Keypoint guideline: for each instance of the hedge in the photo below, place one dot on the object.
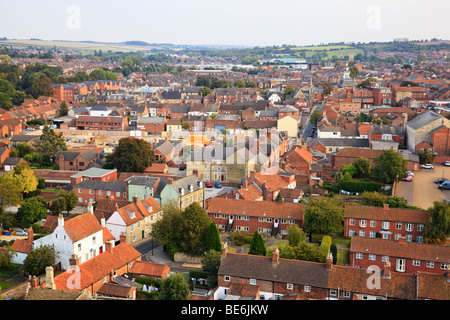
(357, 186)
(199, 274)
(325, 245)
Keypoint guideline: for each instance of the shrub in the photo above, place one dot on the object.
(325, 245)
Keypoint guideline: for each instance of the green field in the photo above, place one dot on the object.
(83, 47)
(322, 48)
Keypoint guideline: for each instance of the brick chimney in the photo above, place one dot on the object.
(49, 278)
(123, 237)
(103, 221)
(33, 282)
(30, 234)
(329, 262)
(387, 270)
(74, 260)
(386, 206)
(169, 181)
(225, 249)
(135, 199)
(108, 246)
(245, 184)
(195, 172)
(275, 255)
(90, 208)
(401, 240)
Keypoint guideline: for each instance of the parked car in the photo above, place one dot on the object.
(209, 184)
(218, 185)
(21, 233)
(408, 178)
(427, 166)
(181, 168)
(445, 185)
(447, 163)
(409, 173)
(440, 180)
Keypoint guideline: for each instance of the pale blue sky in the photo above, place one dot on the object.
(230, 22)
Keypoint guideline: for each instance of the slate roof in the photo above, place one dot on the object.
(296, 272)
(423, 119)
(102, 185)
(391, 214)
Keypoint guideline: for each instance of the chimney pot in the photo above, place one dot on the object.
(275, 255)
(329, 262)
(49, 278)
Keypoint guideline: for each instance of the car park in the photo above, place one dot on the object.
(427, 166)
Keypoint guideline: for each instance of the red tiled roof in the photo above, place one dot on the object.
(82, 226)
(283, 210)
(391, 214)
(150, 269)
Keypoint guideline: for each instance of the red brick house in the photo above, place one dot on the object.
(90, 191)
(404, 257)
(384, 222)
(95, 174)
(75, 161)
(250, 216)
(299, 158)
(107, 123)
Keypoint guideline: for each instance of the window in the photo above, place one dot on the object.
(351, 222)
(385, 225)
(444, 266)
(416, 263)
(385, 258)
(79, 247)
(420, 227)
(290, 286)
(359, 255)
(419, 239)
(398, 226)
(91, 191)
(400, 267)
(430, 264)
(372, 257)
(93, 240)
(409, 227)
(347, 294)
(333, 292)
(372, 234)
(100, 192)
(362, 223)
(362, 233)
(252, 281)
(227, 278)
(307, 288)
(80, 190)
(373, 223)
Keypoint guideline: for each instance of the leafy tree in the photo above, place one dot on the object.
(50, 143)
(27, 178)
(174, 288)
(194, 225)
(213, 238)
(211, 261)
(31, 211)
(204, 91)
(132, 155)
(11, 189)
(315, 117)
(354, 72)
(6, 257)
(295, 235)
(239, 83)
(279, 198)
(425, 156)
(390, 165)
(363, 167)
(63, 109)
(69, 198)
(373, 199)
(166, 229)
(20, 150)
(8, 220)
(57, 206)
(38, 259)
(257, 246)
(438, 230)
(324, 216)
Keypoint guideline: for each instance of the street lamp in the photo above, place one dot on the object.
(443, 174)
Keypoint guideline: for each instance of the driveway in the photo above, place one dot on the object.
(214, 192)
(422, 191)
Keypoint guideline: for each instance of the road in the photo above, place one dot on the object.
(422, 191)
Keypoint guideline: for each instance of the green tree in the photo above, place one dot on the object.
(279, 198)
(20, 150)
(69, 198)
(132, 155)
(63, 109)
(194, 225)
(204, 91)
(174, 288)
(57, 206)
(315, 117)
(363, 167)
(166, 229)
(390, 165)
(38, 259)
(213, 238)
(31, 211)
(239, 83)
(50, 143)
(438, 230)
(211, 261)
(27, 178)
(11, 189)
(6, 258)
(324, 216)
(425, 156)
(257, 246)
(295, 235)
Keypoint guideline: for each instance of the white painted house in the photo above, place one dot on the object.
(82, 235)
